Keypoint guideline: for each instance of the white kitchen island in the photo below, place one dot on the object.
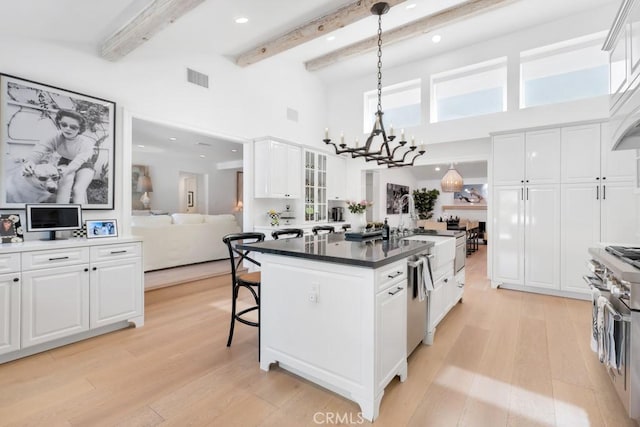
(334, 312)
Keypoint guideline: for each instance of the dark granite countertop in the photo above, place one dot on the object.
(335, 249)
(428, 232)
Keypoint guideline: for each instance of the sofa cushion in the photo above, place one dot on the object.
(184, 218)
(150, 221)
(214, 219)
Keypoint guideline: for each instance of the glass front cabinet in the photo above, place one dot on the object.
(315, 187)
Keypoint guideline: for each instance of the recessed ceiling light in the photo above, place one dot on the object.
(437, 168)
(140, 145)
(172, 138)
(242, 20)
(234, 150)
(436, 38)
(411, 5)
(331, 38)
(202, 155)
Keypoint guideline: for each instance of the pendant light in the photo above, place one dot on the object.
(451, 181)
(392, 156)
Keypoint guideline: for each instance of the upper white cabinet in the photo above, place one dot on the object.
(315, 186)
(580, 153)
(527, 158)
(336, 178)
(278, 170)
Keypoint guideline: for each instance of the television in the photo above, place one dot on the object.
(53, 217)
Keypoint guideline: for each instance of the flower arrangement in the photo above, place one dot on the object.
(275, 217)
(358, 207)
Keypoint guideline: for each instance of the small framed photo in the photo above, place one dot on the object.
(98, 228)
(10, 229)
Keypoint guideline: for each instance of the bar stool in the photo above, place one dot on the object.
(287, 233)
(249, 281)
(328, 228)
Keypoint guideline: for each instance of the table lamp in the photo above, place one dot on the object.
(144, 186)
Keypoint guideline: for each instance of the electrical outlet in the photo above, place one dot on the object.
(313, 293)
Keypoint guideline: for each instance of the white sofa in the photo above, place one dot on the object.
(181, 239)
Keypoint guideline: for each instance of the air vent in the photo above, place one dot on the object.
(206, 144)
(197, 78)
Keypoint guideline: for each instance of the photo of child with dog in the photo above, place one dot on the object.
(57, 146)
(76, 151)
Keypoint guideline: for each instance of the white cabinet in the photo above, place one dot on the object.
(391, 331)
(277, 169)
(336, 178)
(580, 153)
(580, 230)
(338, 325)
(597, 202)
(315, 186)
(9, 312)
(527, 157)
(507, 235)
(541, 233)
(55, 303)
(542, 236)
(56, 296)
(116, 284)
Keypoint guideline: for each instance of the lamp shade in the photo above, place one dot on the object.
(144, 184)
(451, 181)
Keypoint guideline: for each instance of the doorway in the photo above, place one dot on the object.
(191, 196)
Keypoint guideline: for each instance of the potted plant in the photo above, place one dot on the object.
(424, 201)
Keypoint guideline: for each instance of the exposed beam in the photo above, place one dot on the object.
(318, 27)
(440, 19)
(145, 25)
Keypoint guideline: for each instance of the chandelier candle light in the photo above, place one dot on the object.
(384, 155)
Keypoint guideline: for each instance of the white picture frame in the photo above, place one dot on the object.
(101, 228)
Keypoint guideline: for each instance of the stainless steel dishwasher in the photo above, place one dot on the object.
(416, 309)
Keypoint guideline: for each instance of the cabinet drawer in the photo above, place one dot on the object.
(443, 271)
(109, 252)
(9, 263)
(391, 273)
(54, 258)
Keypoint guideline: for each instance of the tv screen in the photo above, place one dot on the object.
(53, 217)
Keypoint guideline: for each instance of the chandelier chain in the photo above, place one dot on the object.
(379, 63)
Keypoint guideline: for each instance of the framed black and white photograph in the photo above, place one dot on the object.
(394, 193)
(98, 228)
(57, 146)
(475, 194)
(10, 229)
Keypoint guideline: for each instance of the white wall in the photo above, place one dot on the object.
(151, 83)
(447, 199)
(345, 98)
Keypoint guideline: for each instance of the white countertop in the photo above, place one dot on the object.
(40, 245)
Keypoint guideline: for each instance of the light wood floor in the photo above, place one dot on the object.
(501, 358)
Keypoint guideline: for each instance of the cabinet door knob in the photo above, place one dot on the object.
(604, 177)
(597, 178)
(86, 269)
(94, 268)
(15, 279)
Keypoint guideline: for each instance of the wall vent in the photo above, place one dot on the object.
(206, 144)
(292, 114)
(197, 78)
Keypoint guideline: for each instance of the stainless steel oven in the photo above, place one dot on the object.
(614, 279)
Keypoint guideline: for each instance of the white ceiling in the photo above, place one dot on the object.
(155, 138)
(210, 29)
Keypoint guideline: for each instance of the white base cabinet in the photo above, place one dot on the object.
(55, 303)
(342, 327)
(9, 312)
(62, 291)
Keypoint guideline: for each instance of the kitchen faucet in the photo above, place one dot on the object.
(412, 209)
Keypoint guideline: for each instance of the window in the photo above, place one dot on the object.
(470, 91)
(565, 71)
(400, 105)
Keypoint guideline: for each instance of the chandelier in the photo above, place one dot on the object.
(384, 155)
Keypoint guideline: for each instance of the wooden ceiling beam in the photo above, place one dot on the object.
(317, 28)
(440, 19)
(155, 17)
